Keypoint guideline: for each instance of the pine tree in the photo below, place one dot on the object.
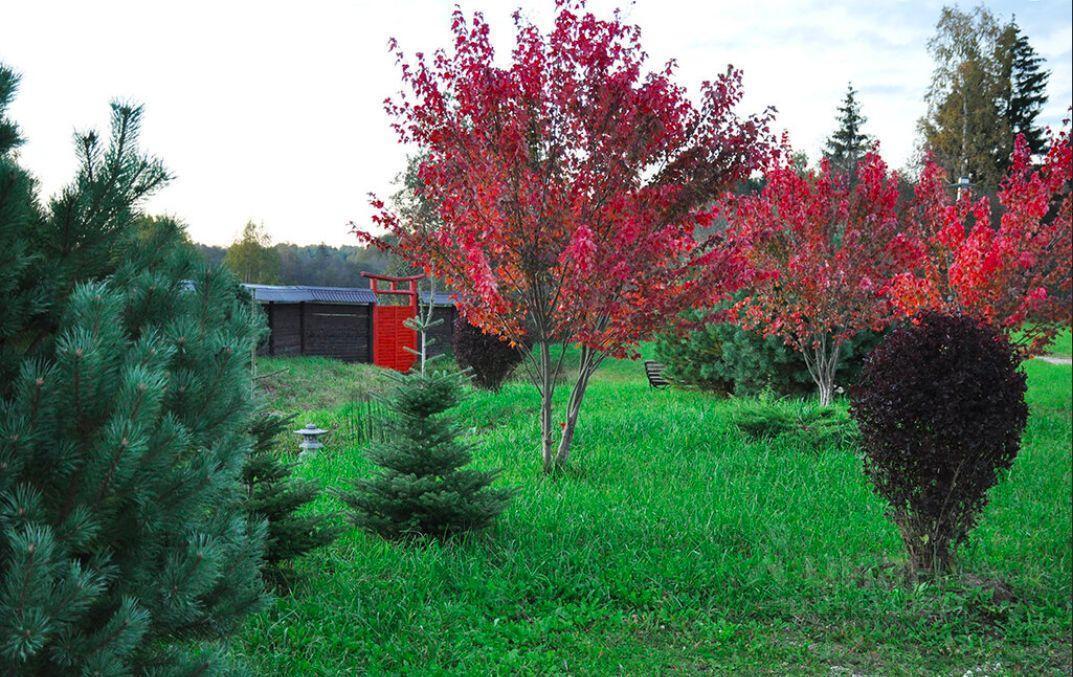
(1026, 86)
(849, 143)
(422, 487)
(124, 406)
(277, 496)
(18, 218)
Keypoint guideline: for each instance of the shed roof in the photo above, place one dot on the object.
(265, 293)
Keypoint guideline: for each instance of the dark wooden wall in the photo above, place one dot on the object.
(444, 333)
(285, 326)
(341, 331)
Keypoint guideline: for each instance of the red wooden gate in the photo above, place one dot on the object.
(391, 336)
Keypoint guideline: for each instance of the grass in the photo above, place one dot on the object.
(677, 542)
(316, 383)
(1063, 344)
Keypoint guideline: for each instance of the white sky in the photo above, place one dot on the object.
(272, 111)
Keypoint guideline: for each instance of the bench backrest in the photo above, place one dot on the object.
(654, 371)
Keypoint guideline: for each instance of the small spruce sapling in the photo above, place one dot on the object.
(275, 495)
(422, 323)
(422, 486)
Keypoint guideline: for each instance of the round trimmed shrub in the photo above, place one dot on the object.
(490, 359)
(941, 407)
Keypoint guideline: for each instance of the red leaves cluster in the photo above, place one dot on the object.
(571, 180)
(1009, 275)
(578, 193)
(840, 256)
(828, 243)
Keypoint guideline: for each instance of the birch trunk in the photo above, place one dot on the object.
(822, 364)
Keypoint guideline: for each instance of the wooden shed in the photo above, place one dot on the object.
(332, 321)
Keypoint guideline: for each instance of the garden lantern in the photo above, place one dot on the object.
(310, 438)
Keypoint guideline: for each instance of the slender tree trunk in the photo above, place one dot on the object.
(546, 385)
(826, 391)
(822, 364)
(577, 394)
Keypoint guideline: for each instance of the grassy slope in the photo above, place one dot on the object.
(678, 544)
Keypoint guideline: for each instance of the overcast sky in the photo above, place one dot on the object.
(272, 111)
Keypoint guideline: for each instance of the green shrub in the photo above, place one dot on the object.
(274, 494)
(723, 358)
(815, 426)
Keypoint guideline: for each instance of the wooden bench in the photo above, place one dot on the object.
(654, 371)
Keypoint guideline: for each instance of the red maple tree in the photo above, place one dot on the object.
(571, 184)
(1015, 276)
(826, 243)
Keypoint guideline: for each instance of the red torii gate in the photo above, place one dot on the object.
(391, 336)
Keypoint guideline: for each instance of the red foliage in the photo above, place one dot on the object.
(826, 244)
(1015, 274)
(570, 180)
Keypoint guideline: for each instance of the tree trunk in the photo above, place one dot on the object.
(577, 394)
(826, 392)
(929, 556)
(546, 385)
(822, 364)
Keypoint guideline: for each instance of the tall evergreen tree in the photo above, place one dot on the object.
(848, 144)
(1026, 83)
(124, 406)
(18, 217)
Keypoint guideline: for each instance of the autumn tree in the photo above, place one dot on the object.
(1015, 276)
(964, 129)
(570, 181)
(251, 257)
(826, 244)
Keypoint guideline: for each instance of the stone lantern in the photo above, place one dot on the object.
(310, 438)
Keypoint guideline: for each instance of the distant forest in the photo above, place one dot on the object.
(316, 265)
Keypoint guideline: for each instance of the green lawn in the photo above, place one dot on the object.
(677, 544)
(1063, 344)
